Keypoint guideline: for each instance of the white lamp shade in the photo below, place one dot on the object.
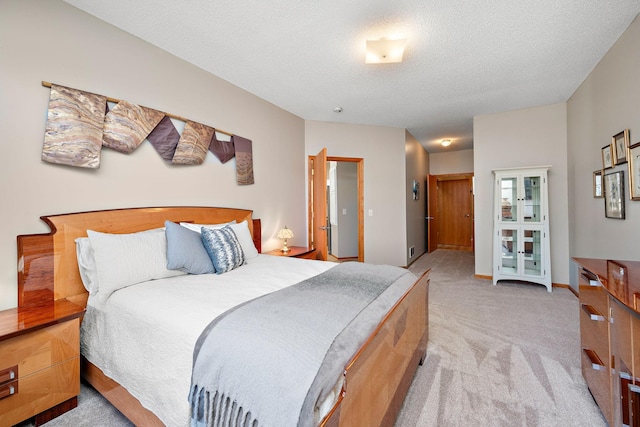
(285, 233)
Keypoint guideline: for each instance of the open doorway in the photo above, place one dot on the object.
(336, 207)
(342, 211)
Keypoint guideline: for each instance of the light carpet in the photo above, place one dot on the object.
(505, 355)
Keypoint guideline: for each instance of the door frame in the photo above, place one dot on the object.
(360, 172)
(432, 196)
(432, 216)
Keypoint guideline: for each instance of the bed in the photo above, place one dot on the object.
(373, 382)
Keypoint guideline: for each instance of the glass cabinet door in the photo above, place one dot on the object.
(509, 251)
(509, 199)
(531, 198)
(532, 252)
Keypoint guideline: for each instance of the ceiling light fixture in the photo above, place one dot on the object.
(446, 142)
(385, 51)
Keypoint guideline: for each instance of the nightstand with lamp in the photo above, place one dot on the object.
(294, 251)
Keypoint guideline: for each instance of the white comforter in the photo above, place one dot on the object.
(143, 336)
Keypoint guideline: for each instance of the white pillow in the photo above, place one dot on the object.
(197, 227)
(87, 264)
(126, 259)
(245, 239)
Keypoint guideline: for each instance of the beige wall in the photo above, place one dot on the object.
(417, 160)
(529, 137)
(382, 149)
(52, 41)
(605, 104)
(451, 162)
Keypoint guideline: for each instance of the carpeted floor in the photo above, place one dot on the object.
(505, 355)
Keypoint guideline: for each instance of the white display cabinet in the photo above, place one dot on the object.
(521, 226)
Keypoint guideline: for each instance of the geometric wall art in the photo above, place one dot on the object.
(74, 127)
(193, 144)
(127, 125)
(79, 123)
(244, 160)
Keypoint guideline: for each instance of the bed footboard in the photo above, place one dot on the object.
(379, 375)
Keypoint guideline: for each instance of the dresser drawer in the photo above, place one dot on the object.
(598, 379)
(40, 391)
(593, 293)
(594, 332)
(42, 348)
(39, 370)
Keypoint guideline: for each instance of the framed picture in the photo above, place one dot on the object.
(416, 190)
(607, 157)
(614, 195)
(634, 171)
(597, 183)
(617, 278)
(620, 143)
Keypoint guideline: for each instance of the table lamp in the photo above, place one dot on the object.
(285, 234)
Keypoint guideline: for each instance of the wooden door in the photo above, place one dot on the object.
(318, 232)
(432, 213)
(455, 213)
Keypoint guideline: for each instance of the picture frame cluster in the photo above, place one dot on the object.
(609, 184)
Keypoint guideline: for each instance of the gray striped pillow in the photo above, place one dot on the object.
(223, 248)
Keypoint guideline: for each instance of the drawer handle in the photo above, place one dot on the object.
(9, 374)
(596, 362)
(593, 313)
(591, 280)
(8, 390)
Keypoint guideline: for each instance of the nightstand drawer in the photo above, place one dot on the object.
(39, 361)
(40, 391)
(41, 349)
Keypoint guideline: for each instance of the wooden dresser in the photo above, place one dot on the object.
(39, 361)
(610, 336)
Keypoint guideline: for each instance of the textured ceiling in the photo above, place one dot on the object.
(462, 58)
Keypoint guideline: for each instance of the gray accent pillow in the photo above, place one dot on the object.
(223, 248)
(185, 251)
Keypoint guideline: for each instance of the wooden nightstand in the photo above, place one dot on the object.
(39, 362)
(296, 252)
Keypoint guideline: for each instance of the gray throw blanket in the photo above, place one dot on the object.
(273, 360)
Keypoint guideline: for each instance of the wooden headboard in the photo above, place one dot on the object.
(47, 265)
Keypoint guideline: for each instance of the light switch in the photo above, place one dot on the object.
(370, 212)
(344, 211)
